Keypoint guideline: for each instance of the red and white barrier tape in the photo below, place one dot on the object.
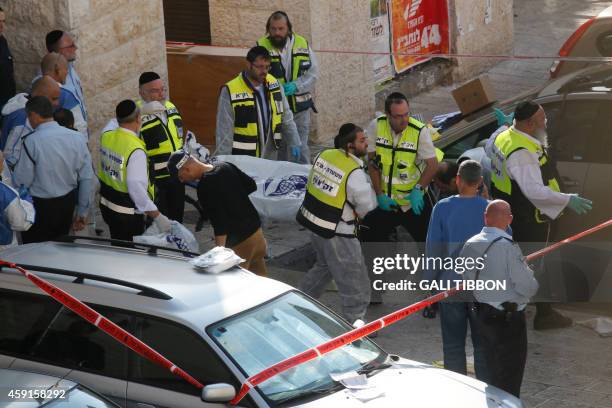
(104, 324)
(411, 54)
(376, 325)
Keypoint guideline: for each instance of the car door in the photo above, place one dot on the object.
(579, 135)
(151, 386)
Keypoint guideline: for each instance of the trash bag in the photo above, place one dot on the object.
(281, 185)
(179, 237)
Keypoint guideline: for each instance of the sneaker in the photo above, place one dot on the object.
(552, 320)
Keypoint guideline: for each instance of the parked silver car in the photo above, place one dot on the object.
(24, 389)
(220, 328)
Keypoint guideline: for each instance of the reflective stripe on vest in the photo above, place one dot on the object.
(325, 196)
(246, 137)
(161, 140)
(399, 170)
(502, 186)
(116, 147)
(300, 63)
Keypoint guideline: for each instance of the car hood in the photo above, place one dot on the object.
(409, 383)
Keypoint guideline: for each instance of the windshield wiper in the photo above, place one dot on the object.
(329, 389)
(374, 365)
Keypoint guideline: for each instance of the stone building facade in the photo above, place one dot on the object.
(345, 89)
(116, 42)
(118, 39)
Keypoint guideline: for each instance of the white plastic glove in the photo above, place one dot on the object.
(152, 108)
(163, 223)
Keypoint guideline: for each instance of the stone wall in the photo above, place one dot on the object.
(480, 27)
(116, 42)
(345, 89)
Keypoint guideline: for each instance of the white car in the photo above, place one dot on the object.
(220, 328)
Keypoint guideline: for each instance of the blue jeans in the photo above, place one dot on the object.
(454, 318)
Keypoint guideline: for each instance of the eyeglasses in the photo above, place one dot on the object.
(73, 45)
(262, 67)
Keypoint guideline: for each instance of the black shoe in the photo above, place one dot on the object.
(551, 320)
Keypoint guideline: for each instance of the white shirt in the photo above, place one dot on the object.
(360, 194)
(138, 180)
(524, 168)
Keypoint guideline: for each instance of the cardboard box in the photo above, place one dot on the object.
(474, 95)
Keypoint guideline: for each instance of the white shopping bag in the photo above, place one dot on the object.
(179, 237)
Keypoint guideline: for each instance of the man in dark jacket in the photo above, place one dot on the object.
(223, 192)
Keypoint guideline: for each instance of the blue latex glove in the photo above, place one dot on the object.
(416, 200)
(295, 152)
(24, 194)
(290, 88)
(579, 205)
(386, 203)
(503, 119)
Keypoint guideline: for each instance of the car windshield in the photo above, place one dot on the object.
(80, 397)
(282, 328)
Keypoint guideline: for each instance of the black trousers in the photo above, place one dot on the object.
(170, 198)
(378, 224)
(123, 226)
(504, 341)
(53, 218)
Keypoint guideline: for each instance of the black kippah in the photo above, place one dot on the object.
(52, 38)
(524, 110)
(147, 77)
(345, 130)
(125, 108)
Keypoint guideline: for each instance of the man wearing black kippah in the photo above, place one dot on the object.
(126, 186)
(162, 133)
(523, 175)
(338, 194)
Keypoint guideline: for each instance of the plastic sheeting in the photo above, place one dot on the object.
(281, 185)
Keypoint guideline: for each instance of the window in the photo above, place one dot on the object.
(73, 342)
(187, 21)
(471, 140)
(282, 328)
(23, 318)
(576, 128)
(185, 349)
(604, 44)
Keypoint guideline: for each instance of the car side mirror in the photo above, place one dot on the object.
(220, 392)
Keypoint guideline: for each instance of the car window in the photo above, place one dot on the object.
(80, 396)
(575, 129)
(22, 317)
(71, 341)
(283, 328)
(469, 141)
(185, 349)
(604, 44)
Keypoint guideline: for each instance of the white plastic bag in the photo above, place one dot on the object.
(217, 260)
(192, 147)
(281, 185)
(179, 237)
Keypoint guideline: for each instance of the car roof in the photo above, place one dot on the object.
(188, 295)
(11, 379)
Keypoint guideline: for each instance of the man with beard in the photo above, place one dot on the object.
(295, 66)
(523, 175)
(63, 43)
(253, 110)
(338, 194)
